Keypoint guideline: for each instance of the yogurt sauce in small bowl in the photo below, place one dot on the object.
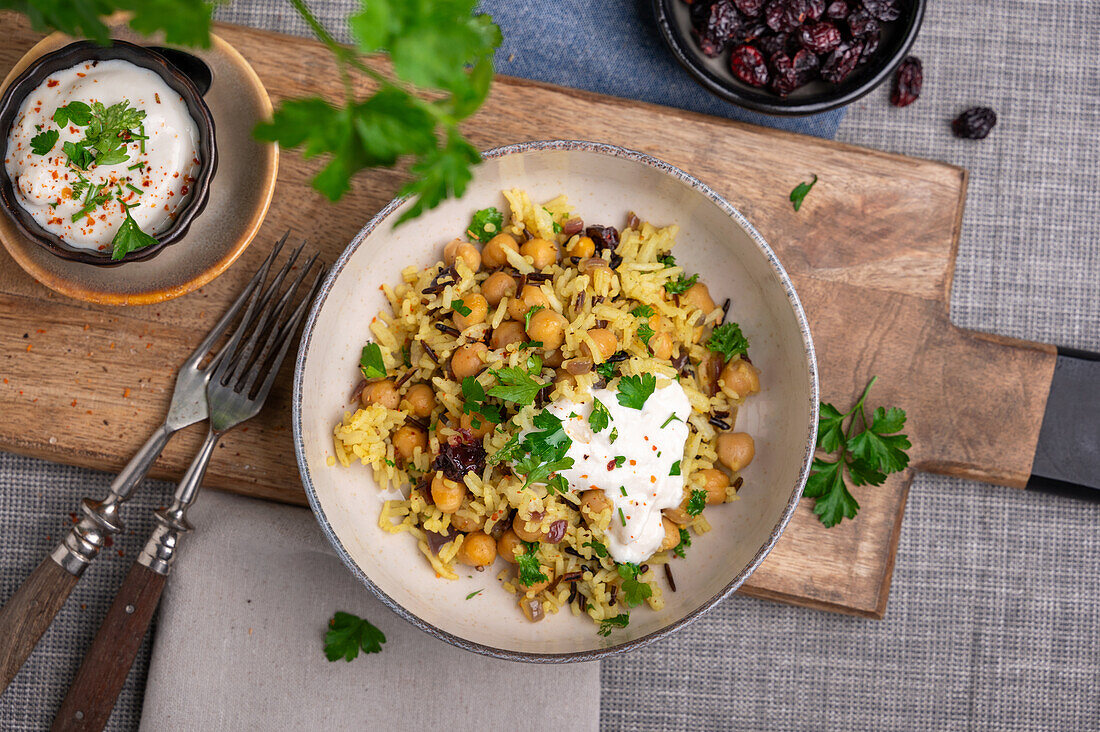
(103, 155)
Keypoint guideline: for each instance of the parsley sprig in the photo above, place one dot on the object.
(619, 621)
(868, 454)
(728, 340)
(635, 390)
(529, 571)
(348, 634)
(635, 592)
(184, 22)
(485, 224)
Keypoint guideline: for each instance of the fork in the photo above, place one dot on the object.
(31, 610)
(235, 393)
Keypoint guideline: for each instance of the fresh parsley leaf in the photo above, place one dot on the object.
(645, 333)
(485, 224)
(507, 452)
(370, 362)
(93, 199)
(685, 542)
(110, 129)
(527, 316)
(830, 427)
(348, 634)
(675, 468)
(613, 436)
(634, 592)
(184, 22)
(129, 238)
(597, 547)
(79, 113)
(442, 173)
(534, 363)
(78, 155)
(799, 192)
(557, 484)
(697, 502)
(460, 307)
(667, 259)
(600, 418)
(607, 370)
(642, 311)
(832, 501)
(635, 390)
(474, 401)
(406, 355)
(529, 571)
(475, 593)
(82, 184)
(515, 385)
(619, 621)
(728, 340)
(681, 284)
(620, 460)
(43, 142)
(671, 418)
(879, 449)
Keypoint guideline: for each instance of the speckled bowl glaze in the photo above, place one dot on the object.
(603, 184)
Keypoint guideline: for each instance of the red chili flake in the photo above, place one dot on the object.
(53, 82)
(74, 517)
(73, 404)
(653, 479)
(40, 330)
(126, 393)
(633, 462)
(184, 190)
(157, 97)
(81, 74)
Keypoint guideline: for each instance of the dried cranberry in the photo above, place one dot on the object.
(860, 23)
(817, 9)
(841, 62)
(604, 237)
(884, 10)
(752, 32)
(908, 82)
(806, 65)
(773, 44)
(784, 76)
(974, 123)
(462, 455)
(749, 8)
(748, 65)
(837, 10)
(718, 27)
(786, 15)
(870, 45)
(820, 37)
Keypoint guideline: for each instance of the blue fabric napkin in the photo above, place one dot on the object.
(614, 47)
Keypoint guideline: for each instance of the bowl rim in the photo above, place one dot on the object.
(69, 55)
(687, 55)
(577, 656)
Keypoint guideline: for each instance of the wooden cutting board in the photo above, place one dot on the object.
(871, 253)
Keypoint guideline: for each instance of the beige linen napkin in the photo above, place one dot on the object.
(239, 644)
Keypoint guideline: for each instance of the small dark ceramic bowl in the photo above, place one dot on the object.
(818, 96)
(70, 56)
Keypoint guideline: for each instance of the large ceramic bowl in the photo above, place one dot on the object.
(603, 183)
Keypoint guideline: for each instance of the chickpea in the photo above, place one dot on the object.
(698, 296)
(543, 253)
(591, 264)
(508, 332)
(509, 545)
(407, 438)
(538, 586)
(553, 359)
(739, 379)
(497, 286)
(466, 522)
(520, 527)
(467, 360)
(714, 483)
(447, 494)
(548, 327)
(382, 392)
(606, 344)
(479, 308)
(735, 450)
(564, 377)
(420, 399)
(661, 345)
(463, 250)
(477, 550)
(492, 254)
(582, 247)
(595, 501)
(484, 426)
(529, 297)
(678, 515)
(660, 324)
(672, 535)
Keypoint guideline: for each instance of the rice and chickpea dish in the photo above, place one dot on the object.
(561, 397)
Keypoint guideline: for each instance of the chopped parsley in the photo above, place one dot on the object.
(668, 260)
(697, 502)
(613, 436)
(348, 634)
(460, 307)
(600, 417)
(685, 542)
(619, 621)
(645, 333)
(728, 340)
(642, 311)
(485, 224)
(93, 199)
(370, 362)
(799, 193)
(79, 113)
(622, 517)
(671, 418)
(543, 452)
(622, 489)
(78, 156)
(597, 547)
(606, 370)
(634, 591)
(527, 316)
(557, 484)
(509, 451)
(635, 390)
(473, 594)
(675, 468)
(619, 460)
(515, 385)
(473, 394)
(108, 132)
(43, 142)
(681, 284)
(529, 572)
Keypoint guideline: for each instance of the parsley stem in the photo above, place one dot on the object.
(135, 189)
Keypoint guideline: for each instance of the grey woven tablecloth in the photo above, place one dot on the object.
(994, 617)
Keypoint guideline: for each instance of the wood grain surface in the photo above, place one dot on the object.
(27, 614)
(871, 254)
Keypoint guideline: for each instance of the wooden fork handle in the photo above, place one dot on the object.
(25, 617)
(95, 689)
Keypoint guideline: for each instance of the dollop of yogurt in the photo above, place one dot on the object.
(631, 461)
(157, 178)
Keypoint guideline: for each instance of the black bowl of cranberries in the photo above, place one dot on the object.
(789, 57)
